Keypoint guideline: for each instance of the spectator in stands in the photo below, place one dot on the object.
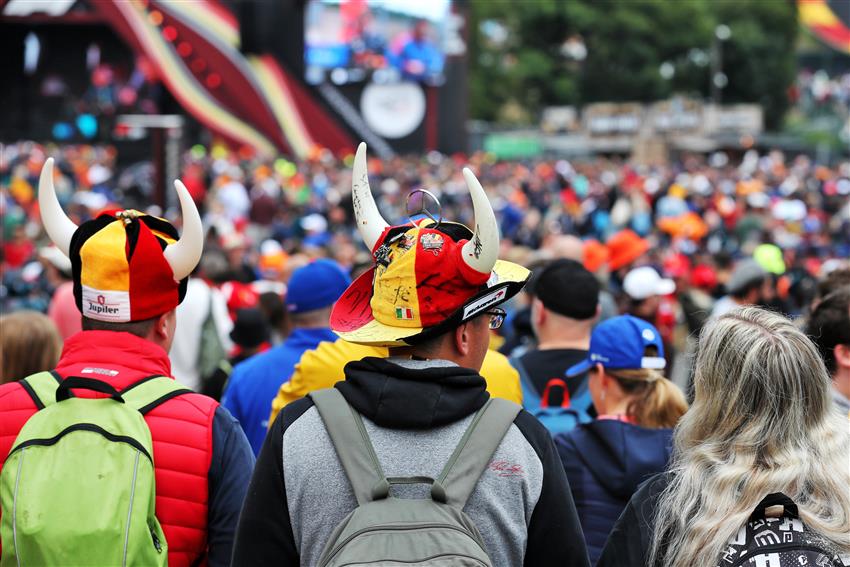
(563, 312)
(204, 304)
(762, 422)
(254, 383)
(835, 280)
(29, 343)
(829, 328)
(644, 289)
(624, 249)
(63, 307)
(746, 286)
(630, 440)
(251, 335)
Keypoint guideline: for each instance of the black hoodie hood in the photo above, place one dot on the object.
(402, 397)
(619, 455)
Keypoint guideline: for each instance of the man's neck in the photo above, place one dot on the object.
(582, 343)
(564, 333)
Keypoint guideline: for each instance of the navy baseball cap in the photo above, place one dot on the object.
(318, 284)
(620, 343)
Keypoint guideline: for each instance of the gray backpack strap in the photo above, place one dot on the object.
(355, 451)
(474, 451)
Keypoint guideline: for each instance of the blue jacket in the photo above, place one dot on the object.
(255, 382)
(606, 460)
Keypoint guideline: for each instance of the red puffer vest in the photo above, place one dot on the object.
(181, 429)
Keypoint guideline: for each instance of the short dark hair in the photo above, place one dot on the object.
(829, 325)
(139, 328)
(835, 280)
(751, 285)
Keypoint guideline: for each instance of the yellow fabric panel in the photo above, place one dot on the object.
(320, 368)
(323, 367)
(395, 285)
(168, 240)
(104, 259)
(502, 378)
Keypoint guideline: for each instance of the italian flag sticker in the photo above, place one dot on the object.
(403, 313)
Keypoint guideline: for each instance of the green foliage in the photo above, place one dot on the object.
(627, 42)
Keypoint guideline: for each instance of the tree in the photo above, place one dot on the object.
(759, 57)
(627, 42)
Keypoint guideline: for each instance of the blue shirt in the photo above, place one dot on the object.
(232, 462)
(255, 382)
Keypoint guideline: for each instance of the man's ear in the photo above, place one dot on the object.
(842, 355)
(538, 312)
(160, 327)
(462, 338)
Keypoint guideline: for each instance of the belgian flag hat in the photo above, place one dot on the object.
(126, 265)
(428, 277)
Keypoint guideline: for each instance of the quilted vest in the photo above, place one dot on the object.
(182, 434)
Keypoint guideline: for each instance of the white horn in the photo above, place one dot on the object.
(185, 254)
(56, 223)
(370, 223)
(482, 251)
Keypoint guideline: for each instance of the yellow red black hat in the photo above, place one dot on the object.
(126, 265)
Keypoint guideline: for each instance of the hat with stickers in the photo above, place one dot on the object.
(429, 277)
(620, 343)
(126, 265)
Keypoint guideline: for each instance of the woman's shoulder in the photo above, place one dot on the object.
(649, 490)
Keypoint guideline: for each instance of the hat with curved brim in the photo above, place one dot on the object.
(353, 319)
(430, 275)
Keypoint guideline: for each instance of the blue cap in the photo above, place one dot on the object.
(316, 285)
(620, 343)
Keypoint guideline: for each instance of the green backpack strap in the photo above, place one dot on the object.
(148, 393)
(474, 451)
(41, 387)
(352, 444)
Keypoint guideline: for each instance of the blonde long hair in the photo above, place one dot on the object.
(762, 421)
(656, 402)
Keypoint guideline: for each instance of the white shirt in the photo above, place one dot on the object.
(191, 315)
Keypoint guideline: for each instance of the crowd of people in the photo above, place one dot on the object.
(678, 337)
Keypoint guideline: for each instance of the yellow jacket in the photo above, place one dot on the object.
(323, 367)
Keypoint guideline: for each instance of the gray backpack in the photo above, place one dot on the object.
(387, 531)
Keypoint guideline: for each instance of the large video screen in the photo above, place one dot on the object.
(381, 41)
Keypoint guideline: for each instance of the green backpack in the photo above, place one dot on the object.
(78, 485)
(384, 530)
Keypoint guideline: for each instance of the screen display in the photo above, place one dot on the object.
(380, 41)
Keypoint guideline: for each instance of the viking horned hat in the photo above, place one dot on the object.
(127, 266)
(429, 277)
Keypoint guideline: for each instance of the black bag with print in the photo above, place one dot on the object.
(775, 536)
